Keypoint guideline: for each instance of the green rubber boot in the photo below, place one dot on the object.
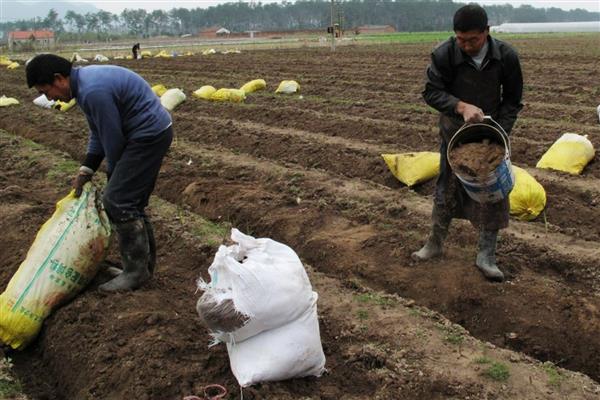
(486, 257)
(135, 255)
(434, 245)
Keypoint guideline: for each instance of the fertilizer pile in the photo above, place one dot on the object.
(477, 159)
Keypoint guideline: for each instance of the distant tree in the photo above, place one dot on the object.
(75, 21)
(92, 22)
(182, 18)
(52, 21)
(105, 20)
(134, 20)
(157, 22)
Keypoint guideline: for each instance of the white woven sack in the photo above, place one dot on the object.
(265, 280)
(42, 101)
(101, 58)
(172, 98)
(291, 351)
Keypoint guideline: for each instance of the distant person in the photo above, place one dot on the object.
(470, 75)
(131, 130)
(135, 50)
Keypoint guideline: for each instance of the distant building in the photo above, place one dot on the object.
(213, 32)
(373, 29)
(538, 27)
(29, 40)
(223, 32)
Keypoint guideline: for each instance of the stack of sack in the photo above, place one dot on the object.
(260, 302)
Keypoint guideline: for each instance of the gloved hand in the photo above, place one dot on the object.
(81, 179)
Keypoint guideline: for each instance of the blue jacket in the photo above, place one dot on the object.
(119, 106)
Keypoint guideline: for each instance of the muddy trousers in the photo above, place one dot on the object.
(126, 195)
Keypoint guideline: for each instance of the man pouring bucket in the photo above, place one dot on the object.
(471, 75)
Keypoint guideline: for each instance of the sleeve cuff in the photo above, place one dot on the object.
(92, 161)
(86, 170)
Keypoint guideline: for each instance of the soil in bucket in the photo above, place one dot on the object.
(477, 159)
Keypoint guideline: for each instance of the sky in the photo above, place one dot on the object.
(116, 6)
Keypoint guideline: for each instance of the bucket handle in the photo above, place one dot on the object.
(491, 121)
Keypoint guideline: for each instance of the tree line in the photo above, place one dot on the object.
(403, 15)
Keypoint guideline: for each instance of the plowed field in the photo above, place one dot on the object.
(306, 170)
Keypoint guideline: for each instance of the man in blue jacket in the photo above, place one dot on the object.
(132, 131)
(470, 75)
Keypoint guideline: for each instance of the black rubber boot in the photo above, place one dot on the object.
(151, 245)
(434, 246)
(133, 243)
(486, 258)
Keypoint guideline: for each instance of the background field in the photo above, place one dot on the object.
(305, 169)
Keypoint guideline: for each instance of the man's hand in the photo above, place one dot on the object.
(469, 112)
(84, 176)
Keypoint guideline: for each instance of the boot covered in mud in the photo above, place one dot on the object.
(486, 257)
(151, 246)
(133, 243)
(434, 246)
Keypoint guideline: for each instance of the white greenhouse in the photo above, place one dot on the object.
(587, 26)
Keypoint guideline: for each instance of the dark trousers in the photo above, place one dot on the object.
(132, 180)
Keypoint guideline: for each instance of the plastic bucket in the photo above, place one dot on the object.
(498, 184)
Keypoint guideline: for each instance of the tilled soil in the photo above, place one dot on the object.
(306, 170)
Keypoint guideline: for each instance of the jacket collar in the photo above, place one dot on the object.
(492, 53)
(74, 82)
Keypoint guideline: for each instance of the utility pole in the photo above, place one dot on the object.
(332, 25)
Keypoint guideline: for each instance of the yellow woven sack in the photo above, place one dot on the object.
(413, 168)
(162, 54)
(205, 92)
(13, 65)
(288, 87)
(5, 61)
(233, 95)
(64, 107)
(62, 260)
(8, 101)
(570, 153)
(528, 197)
(146, 53)
(254, 85)
(159, 90)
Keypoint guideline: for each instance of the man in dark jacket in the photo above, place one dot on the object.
(132, 131)
(135, 50)
(471, 75)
